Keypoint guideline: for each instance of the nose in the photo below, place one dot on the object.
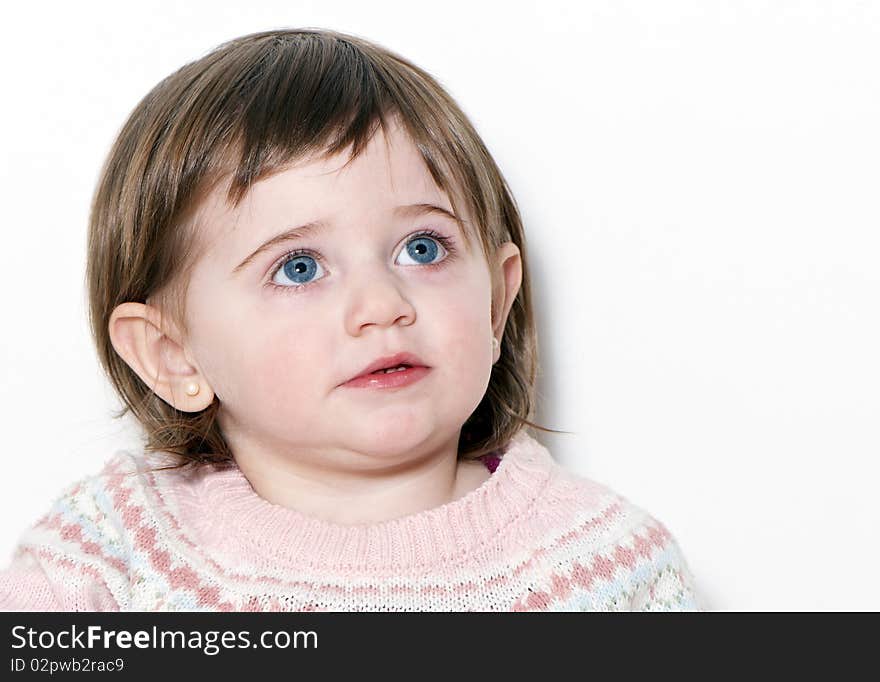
(378, 299)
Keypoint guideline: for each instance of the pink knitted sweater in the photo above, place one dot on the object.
(533, 537)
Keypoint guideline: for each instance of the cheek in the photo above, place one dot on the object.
(463, 329)
(262, 364)
(287, 366)
(460, 322)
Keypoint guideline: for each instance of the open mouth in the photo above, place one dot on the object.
(388, 378)
(389, 370)
(396, 363)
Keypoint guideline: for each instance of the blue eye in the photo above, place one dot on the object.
(300, 266)
(422, 249)
(300, 269)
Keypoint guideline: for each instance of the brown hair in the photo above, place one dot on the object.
(238, 114)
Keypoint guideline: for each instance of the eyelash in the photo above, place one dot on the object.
(446, 242)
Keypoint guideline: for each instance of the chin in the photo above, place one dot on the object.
(396, 436)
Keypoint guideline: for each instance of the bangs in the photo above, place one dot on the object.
(270, 102)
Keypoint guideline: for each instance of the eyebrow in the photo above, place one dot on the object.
(313, 227)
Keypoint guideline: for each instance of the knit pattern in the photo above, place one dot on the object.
(533, 537)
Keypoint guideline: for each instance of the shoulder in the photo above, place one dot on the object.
(83, 520)
(592, 515)
(89, 519)
(574, 506)
(75, 556)
(607, 552)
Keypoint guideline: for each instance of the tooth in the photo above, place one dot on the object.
(399, 368)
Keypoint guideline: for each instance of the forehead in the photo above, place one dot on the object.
(389, 172)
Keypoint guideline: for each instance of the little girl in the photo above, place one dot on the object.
(307, 281)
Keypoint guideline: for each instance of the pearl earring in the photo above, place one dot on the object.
(192, 388)
(494, 342)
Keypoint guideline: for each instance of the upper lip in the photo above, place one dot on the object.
(391, 361)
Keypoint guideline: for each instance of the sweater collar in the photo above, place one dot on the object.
(257, 529)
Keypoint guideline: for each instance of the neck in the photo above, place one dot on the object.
(348, 488)
(224, 516)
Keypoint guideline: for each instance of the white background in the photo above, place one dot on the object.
(699, 182)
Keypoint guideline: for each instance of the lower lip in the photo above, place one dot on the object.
(391, 380)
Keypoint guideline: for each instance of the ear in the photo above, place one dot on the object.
(160, 361)
(508, 273)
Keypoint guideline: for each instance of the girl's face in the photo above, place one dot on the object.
(276, 336)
